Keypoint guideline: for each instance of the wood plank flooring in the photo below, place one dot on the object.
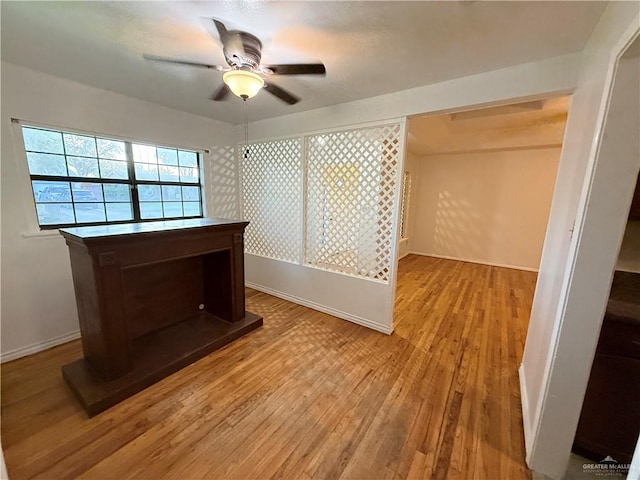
(306, 396)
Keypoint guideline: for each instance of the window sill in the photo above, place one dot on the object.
(42, 234)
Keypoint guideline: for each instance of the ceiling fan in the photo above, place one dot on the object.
(244, 76)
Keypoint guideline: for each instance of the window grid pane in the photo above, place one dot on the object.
(145, 154)
(149, 193)
(167, 156)
(47, 164)
(55, 213)
(111, 149)
(146, 171)
(172, 209)
(41, 140)
(86, 192)
(113, 169)
(89, 212)
(151, 210)
(119, 212)
(167, 179)
(80, 145)
(191, 209)
(83, 167)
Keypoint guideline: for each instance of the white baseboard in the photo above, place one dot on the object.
(321, 308)
(38, 347)
(480, 262)
(524, 401)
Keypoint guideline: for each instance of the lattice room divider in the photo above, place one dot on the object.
(223, 182)
(271, 198)
(350, 193)
(351, 182)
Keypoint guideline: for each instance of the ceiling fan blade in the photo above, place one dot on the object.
(222, 30)
(177, 61)
(229, 41)
(221, 94)
(281, 93)
(297, 69)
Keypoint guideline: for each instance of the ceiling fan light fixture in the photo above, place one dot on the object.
(243, 83)
(243, 53)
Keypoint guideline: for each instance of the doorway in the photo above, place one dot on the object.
(603, 164)
(476, 196)
(478, 184)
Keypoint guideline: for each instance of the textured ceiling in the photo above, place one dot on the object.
(369, 48)
(526, 125)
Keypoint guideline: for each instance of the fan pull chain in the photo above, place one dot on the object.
(246, 129)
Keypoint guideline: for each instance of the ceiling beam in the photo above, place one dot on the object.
(502, 110)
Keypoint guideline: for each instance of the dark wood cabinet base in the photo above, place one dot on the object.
(610, 418)
(153, 298)
(155, 356)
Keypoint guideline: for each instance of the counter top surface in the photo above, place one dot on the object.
(146, 227)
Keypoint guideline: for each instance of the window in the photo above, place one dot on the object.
(80, 179)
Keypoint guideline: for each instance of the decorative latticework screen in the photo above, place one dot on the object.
(351, 185)
(222, 180)
(272, 195)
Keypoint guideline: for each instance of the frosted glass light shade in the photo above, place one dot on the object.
(243, 83)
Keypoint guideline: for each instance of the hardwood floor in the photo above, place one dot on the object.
(306, 396)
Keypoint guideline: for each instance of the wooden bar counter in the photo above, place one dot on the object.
(152, 298)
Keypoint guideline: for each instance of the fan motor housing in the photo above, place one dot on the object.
(238, 58)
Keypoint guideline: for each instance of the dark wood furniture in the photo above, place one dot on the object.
(152, 298)
(610, 419)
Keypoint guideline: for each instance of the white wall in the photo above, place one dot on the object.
(484, 182)
(38, 306)
(38, 303)
(366, 300)
(556, 75)
(354, 299)
(403, 248)
(569, 301)
(484, 207)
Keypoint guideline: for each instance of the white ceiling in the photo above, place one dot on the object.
(369, 48)
(526, 125)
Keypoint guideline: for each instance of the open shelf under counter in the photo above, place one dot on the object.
(155, 356)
